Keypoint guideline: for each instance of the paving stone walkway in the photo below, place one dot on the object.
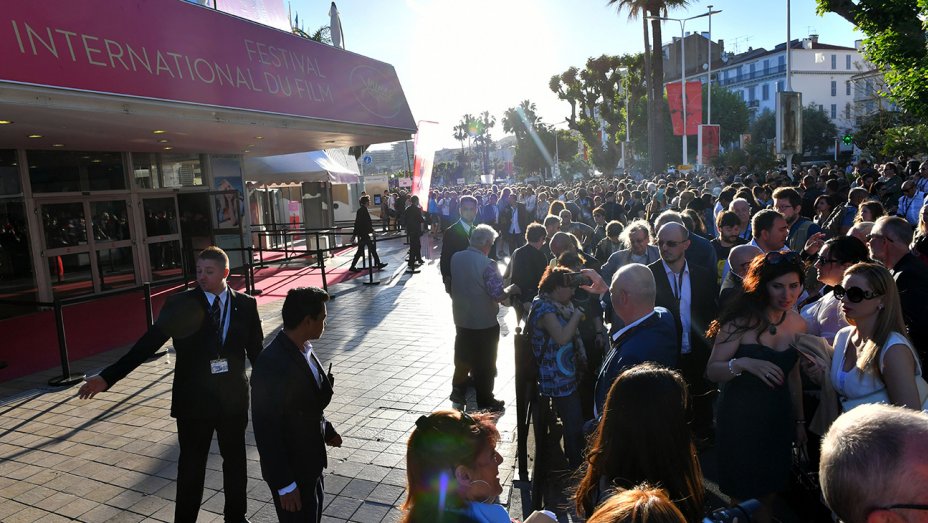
(114, 458)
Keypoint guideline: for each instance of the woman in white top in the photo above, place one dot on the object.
(873, 353)
(823, 317)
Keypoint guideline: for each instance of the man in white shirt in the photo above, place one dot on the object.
(910, 203)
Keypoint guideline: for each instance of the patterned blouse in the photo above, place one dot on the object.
(557, 371)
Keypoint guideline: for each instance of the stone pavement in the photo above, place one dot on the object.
(114, 458)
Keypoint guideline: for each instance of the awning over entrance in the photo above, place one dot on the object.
(103, 75)
(335, 166)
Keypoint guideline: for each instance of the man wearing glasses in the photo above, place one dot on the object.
(921, 182)
(874, 465)
(690, 292)
(910, 203)
(889, 244)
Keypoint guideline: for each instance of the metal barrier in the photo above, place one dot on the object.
(67, 378)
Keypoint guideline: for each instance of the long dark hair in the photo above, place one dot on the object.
(442, 441)
(643, 436)
(748, 308)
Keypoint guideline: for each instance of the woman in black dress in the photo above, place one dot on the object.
(759, 412)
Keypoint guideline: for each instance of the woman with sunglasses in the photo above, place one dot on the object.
(452, 469)
(760, 410)
(823, 317)
(873, 358)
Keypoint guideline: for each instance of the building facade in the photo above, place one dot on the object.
(821, 72)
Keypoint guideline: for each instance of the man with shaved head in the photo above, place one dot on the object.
(690, 292)
(649, 334)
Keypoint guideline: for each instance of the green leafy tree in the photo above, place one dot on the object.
(523, 122)
(907, 140)
(895, 43)
(596, 95)
(728, 111)
(818, 131)
(764, 127)
(870, 134)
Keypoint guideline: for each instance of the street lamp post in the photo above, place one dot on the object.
(682, 22)
(624, 71)
(709, 76)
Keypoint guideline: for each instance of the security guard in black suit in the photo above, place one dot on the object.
(213, 329)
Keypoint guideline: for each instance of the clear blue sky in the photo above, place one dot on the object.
(455, 57)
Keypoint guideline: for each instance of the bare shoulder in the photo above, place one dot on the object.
(795, 322)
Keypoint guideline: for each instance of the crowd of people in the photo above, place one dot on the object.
(773, 317)
(671, 315)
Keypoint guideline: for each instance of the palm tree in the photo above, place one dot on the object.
(644, 8)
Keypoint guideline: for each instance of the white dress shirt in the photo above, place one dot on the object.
(682, 291)
(910, 208)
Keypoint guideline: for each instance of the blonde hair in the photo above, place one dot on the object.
(889, 317)
(642, 504)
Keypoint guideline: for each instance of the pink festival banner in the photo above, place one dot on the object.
(427, 141)
(178, 51)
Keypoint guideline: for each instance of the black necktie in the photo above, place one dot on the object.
(216, 312)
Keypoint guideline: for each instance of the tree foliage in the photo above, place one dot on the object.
(818, 131)
(729, 112)
(596, 95)
(535, 142)
(895, 43)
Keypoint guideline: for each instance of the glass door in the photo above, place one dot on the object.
(162, 237)
(87, 245)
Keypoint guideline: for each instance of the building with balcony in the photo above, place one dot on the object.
(821, 72)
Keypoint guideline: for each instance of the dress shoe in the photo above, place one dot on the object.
(354, 269)
(381, 265)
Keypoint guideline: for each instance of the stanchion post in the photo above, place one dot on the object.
(66, 379)
(370, 260)
(149, 315)
(321, 260)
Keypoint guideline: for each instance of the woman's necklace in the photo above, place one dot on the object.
(772, 329)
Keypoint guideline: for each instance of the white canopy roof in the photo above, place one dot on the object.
(332, 165)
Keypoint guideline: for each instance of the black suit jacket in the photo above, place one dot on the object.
(526, 267)
(453, 240)
(911, 277)
(287, 414)
(703, 305)
(413, 220)
(362, 223)
(197, 393)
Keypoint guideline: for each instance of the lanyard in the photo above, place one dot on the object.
(678, 290)
(908, 203)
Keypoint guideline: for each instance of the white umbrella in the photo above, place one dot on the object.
(335, 27)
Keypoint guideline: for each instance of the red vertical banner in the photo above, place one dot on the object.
(693, 107)
(424, 153)
(708, 144)
(675, 102)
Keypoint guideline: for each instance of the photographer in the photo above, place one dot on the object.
(553, 323)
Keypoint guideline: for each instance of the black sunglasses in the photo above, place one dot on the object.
(775, 257)
(669, 243)
(854, 294)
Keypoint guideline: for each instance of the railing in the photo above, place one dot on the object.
(67, 378)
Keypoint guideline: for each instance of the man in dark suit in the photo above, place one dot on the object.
(364, 232)
(213, 329)
(515, 219)
(649, 334)
(290, 391)
(526, 267)
(457, 238)
(889, 244)
(690, 292)
(700, 251)
(414, 220)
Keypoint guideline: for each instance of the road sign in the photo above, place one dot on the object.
(368, 160)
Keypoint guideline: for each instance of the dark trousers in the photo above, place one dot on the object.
(195, 437)
(475, 353)
(571, 413)
(693, 367)
(365, 241)
(310, 496)
(415, 247)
